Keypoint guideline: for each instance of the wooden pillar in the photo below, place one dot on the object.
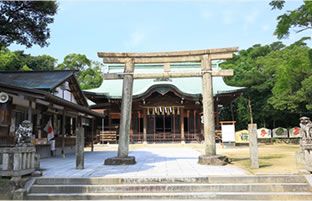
(139, 126)
(154, 127)
(164, 125)
(92, 135)
(188, 124)
(182, 125)
(217, 115)
(208, 107)
(126, 107)
(109, 120)
(195, 124)
(144, 127)
(173, 114)
(30, 111)
(63, 134)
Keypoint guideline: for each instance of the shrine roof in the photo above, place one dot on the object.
(35, 79)
(190, 86)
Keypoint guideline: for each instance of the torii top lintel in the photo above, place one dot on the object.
(167, 57)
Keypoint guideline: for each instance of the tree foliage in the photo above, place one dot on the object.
(277, 82)
(88, 72)
(91, 77)
(300, 18)
(26, 22)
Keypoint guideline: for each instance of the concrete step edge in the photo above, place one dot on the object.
(181, 184)
(190, 193)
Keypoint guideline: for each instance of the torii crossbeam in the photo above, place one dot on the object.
(130, 59)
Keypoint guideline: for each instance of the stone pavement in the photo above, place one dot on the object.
(151, 162)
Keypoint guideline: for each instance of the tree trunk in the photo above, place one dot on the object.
(250, 110)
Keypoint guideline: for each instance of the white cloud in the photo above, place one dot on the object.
(136, 38)
(265, 27)
(251, 18)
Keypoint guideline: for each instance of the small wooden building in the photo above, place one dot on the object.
(43, 97)
(163, 110)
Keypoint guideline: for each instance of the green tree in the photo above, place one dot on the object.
(26, 22)
(278, 82)
(25, 68)
(8, 60)
(88, 73)
(290, 67)
(91, 77)
(18, 59)
(252, 106)
(74, 61)
(300, 18)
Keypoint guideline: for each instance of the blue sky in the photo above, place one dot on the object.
(88, 27)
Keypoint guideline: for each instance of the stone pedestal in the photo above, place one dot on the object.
(17, 161)
(214, 160)
(130, 160)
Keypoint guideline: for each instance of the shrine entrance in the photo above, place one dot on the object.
(130, 59)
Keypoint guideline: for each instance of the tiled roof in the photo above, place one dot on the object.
(35, 79)
(191, 86)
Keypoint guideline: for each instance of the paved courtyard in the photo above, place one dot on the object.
(151, 162)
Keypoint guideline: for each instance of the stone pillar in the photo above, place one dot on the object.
(125, 120)
(208, 108)
(253, 145)
(6, 161)
(144, 127)
(80, 148)
(126, 107)
(182, 126)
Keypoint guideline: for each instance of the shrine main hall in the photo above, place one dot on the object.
(163, 110)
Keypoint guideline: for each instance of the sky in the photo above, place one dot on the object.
(88, 27)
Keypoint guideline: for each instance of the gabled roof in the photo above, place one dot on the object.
(47, 80)
(44, 95)
(43, 80)
(190, 86)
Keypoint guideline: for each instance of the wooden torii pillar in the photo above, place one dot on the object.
(130, 59)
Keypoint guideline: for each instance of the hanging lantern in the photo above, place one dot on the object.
(173, 110)
(166, 111)
(148, 113)
(178, 111)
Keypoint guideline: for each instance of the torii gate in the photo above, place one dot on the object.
(130, 59)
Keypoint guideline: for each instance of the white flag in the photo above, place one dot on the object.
(49, 130)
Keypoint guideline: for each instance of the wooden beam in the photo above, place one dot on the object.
(114, 76)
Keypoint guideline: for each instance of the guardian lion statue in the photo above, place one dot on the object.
(23, 134)
(306, 128)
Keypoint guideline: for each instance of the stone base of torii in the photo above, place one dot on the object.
(206, 73)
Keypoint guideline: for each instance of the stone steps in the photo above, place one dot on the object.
(170, 180)
(294, 187)
(184, 188)
(177, 196)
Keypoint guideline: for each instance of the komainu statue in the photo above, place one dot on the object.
(306, 141)
(23, 134)
(306, 129)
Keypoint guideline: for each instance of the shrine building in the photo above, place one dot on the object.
(163, 110)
